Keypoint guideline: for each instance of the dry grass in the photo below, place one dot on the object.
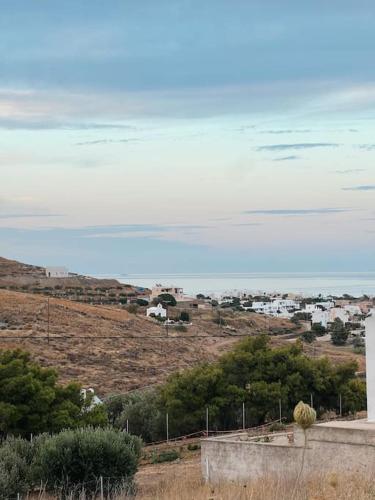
(186, 484)
(119, 363)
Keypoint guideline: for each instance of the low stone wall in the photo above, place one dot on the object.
(345, 447)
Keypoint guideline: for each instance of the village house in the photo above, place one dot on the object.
(176, 292)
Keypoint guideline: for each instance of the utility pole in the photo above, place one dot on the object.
(207, 421)
(280, 411)
(243, 416)
(167, 322)
(48, 319)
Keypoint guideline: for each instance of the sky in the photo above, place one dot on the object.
(188, 136)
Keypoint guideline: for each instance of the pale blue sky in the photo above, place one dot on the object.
(217, 135)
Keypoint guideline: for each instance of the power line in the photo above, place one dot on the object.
(112, 337)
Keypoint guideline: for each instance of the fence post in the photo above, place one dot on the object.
(340, 404)
(311, 401)
(243, 416)
(280, 411)
(127, 426)
(207, 421)
(101, 488)
(167, 422)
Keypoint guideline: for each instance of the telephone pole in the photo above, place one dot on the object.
(48, 319)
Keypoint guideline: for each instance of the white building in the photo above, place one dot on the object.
(321, 317)
(353, 309)
(338, 313)
(57, 272)
(310, 308)
(157, 311)
(282, 308)
(370, 365)
(93, 398)
(176, 292)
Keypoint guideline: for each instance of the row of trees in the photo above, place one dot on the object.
(253, 374)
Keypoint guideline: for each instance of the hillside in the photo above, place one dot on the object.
(24, 277)
(109, 348)
(104, 345)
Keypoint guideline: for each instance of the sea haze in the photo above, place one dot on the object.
(352, 283)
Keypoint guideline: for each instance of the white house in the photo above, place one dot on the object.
(93, 398)
(338, 313)
(57, 272)
(157, 311)
(310, 308)
(321, 317)
(353, 309)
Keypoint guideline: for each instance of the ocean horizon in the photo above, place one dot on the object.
(305, 283)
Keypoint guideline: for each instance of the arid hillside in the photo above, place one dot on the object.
(24, 277)
(105, 346)
(111, 349)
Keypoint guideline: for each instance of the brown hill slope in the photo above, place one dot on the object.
(109, 348)
(24, 277)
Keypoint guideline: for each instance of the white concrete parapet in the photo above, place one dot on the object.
(370, 366)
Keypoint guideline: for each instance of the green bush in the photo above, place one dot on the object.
(74, 459)
(193, 446)
(15, 475)
(165, 456)
(185, 316)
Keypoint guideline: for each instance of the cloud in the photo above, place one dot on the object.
(26, 123)
(298, 212)
(287, 158)
(136, 230)
(349, 171)
(365, 187)
(286, 131)
(247, 224)
(105, 141)
(301, 145)
(367, 147)
(28, 215)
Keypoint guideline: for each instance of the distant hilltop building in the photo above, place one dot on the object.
(176, 292)
(57, 272)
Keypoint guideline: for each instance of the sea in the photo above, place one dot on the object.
(306, 284)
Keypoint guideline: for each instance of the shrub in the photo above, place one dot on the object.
(193, 447)
(309, 336)
(15, 459)
(339, 334)
(180, 328)
(142, 302)
(185, 316)
(74, 459)
(132, 308)
(165, 456)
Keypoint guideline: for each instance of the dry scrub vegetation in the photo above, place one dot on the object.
(187, 484)
(121, 361)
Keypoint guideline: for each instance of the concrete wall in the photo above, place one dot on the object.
(233, 460)
(329, 449)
